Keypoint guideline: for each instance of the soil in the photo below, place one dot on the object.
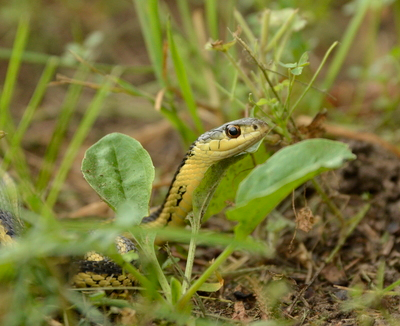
(310, 291)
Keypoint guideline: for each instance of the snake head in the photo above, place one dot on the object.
(231, 139)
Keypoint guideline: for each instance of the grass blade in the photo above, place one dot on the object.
(35, 101)
(281, 32)
(311, 82)
(183, 81)
(147, 11)
(245, 27)
(344, 48)
(186, 16)
(212, 18)
(12, 74)
(67, 110)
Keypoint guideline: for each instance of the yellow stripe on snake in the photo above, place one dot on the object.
(231, 139)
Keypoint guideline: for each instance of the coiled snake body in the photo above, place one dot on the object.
(231, 139)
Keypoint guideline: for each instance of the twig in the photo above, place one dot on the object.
(352, 223)
(339, 131)
(258, 63)
(305, 288)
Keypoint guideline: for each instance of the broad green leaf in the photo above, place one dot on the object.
(227, 187)
(130, 212)
(204, 192)
(268, 184)
(119, 169)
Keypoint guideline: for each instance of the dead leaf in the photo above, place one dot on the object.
(240, 312)
(128, 317)
(305, 219)
(333, 274)
(315, 128)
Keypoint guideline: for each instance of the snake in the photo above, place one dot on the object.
(230, 139)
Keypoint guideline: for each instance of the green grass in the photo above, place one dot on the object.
(193, 83)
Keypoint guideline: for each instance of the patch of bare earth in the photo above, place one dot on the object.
(298, 284)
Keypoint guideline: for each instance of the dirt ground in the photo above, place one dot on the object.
(316, 293)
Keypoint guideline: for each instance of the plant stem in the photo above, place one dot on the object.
(353, 222)
(259, 64)
(147, 245)
(242, 74)
(195, 222)
(346, 43)
(313, 78)
(285, 26)
(203, 278)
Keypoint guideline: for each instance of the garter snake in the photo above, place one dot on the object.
(231, 139)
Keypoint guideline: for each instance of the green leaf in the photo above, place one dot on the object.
(129, 213)
(296, 71)
(283, 85)
(268, 184)
(304, 60)
(130, 256)
(212, 287)
(8, 85)
(227, 187)
(220, 46)
(176, 288)
(204, 192)
(262, 101)
(119, 169)
(288, 65)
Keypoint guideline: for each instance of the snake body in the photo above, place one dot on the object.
(231, 139)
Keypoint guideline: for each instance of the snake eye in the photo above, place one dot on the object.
(232, 131)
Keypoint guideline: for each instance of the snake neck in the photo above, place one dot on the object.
(178, 201)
